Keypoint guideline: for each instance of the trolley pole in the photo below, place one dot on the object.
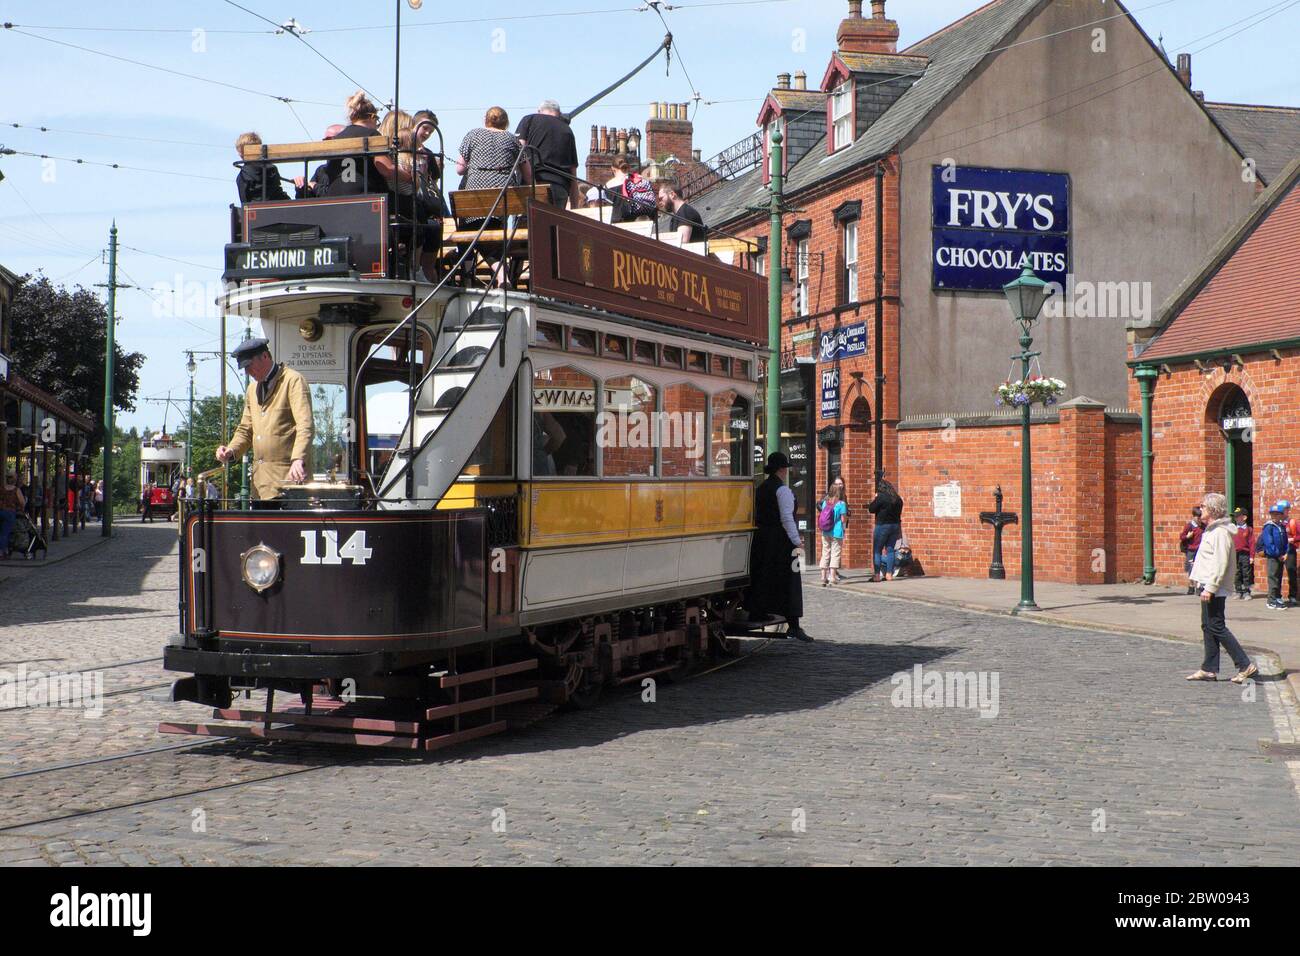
(244, 496)
(106, 527)
(772, 413)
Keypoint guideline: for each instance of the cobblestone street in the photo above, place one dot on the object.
(1099, 753)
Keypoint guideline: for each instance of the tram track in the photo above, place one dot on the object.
(95, 772)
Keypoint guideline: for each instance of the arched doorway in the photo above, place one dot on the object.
(1238, 428)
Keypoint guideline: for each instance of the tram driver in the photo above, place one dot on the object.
(276, 424)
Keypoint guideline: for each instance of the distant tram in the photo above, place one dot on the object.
(519, 495)
(162, 461)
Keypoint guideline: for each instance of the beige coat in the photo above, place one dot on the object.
(1216, 558)
(279, 432)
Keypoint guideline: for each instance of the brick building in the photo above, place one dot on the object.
(910, 179)
(1223, 372)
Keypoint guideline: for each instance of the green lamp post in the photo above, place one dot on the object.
(1026, 296)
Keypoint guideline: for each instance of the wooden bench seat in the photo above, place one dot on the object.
(478, 203)
(376, 145)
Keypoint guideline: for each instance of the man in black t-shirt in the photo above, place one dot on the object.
(685, 219)
(551, 150)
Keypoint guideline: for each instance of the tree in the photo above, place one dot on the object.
(57, 340)
(207, 434)
(126, 469)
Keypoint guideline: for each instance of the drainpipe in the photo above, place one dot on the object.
(880, 321)
(1146, 376)
(772, 423)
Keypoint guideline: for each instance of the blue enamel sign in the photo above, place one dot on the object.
(988, 224)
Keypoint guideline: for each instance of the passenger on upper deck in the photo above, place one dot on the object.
(352, 176)
(488, 153)
(316, 186)
(254, 176)
(633, 197)
(552, 150)
(686, 220)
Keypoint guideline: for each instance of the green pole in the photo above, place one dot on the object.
(1146, 376)
(1026, 486)
(106, 528)
(772, 415)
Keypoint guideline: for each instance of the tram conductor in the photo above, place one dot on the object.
(276, 424)
(775, 586)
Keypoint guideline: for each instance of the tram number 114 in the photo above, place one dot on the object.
(354, 549)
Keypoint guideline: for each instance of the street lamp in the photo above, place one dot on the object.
(1026, 296)
(189, 428)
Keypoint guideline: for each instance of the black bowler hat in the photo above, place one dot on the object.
(775, 462)
(249, 349)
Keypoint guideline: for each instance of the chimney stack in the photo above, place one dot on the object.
(858, 34)
(668, 132)
(1185, 69)
(800, 80)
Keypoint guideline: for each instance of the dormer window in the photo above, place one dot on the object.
(842, 115)
(769, 128)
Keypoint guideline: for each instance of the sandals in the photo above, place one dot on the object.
(1245, 675)
(1205, 675)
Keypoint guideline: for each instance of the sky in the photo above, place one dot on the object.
(173, 136)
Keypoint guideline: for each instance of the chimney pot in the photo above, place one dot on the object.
(695, 155)
(855, 9)
(783, 81)
(800, 80)
(1185, 69)
(877, 9)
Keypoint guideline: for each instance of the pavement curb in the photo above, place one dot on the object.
(7, 569)
(1056, 620)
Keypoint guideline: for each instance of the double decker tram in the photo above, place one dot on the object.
(532, 478)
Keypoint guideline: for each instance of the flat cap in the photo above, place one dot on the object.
(249, 349)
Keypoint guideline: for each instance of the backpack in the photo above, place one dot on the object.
(639, 194)
(826, 520)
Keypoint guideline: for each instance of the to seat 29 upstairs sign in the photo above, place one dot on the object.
(988, 224)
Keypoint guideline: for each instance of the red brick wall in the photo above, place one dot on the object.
(1087, 526)
(1189, 446)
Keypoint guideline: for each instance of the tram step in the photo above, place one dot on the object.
(317, 720)
(480, 703)
(474, 677)
(282, 733)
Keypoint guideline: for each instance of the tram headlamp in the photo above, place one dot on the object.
(260, 567)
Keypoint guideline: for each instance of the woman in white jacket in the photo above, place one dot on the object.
(1212, 572)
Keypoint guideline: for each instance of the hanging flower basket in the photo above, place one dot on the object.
(1035, 390)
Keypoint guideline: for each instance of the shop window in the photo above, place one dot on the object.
(564, 423)
(850, 262)
(729, 445)
(801, 278)
(626, 432)
(681, 432)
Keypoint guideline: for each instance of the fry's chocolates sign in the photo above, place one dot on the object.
(988, 224)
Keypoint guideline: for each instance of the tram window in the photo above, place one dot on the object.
(697, 361)
(720, 365)
(329, 412)
(614, 346)
(494, 456)
(549, 335)
(672, 356)
(582, 340)
(626, 432)
(741, 368)
(681, 432)
(729, 445)
(645, 353)
(564, 423)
